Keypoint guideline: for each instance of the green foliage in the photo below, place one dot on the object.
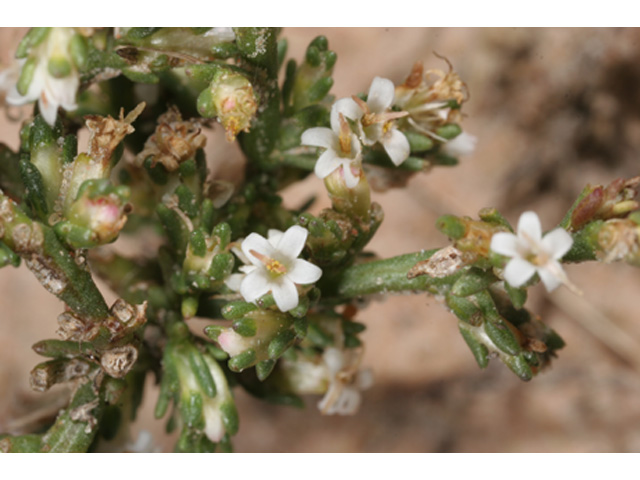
(144, 176)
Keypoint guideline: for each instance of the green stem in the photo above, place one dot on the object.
(74, 429)
(74, 436)
(386, 276)
(53, 265)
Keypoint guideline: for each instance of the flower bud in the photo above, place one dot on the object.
(230, 98)
(354, 202)
(620, 240)
(97, 216)
(258, 336)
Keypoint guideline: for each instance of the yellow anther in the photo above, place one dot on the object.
(272, 265)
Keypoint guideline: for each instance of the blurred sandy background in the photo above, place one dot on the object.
(553, 109)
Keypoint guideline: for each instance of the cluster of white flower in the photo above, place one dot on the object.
(374, 123)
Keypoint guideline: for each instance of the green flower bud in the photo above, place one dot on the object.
(354, 202)
(272, 335)
(231, 99)
(100, 209)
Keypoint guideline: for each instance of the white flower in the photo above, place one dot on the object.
(531, 253)
(276, 267)
(346, 381)
(376, 121)
(343, 148)
(143, 444)
(463, 144)
(49, 91)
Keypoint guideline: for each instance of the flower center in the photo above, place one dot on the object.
(534, 254)
(273, 266)
(537, 258)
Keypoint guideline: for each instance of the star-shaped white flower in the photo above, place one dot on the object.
(376, 120)
(49, 91)
(343, 149)
(275, 267)
(345, 382)
(532, 253)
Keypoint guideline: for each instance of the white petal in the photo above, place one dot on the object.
(327, 163)
(304, 272)
(529, 227)
(241, 256)
(463, 144)
(274, 236)
(233, 281)
(213, 425)
(347, 107)
(319, 137)
(552, 275)
(326, 405)
(348, 402)
(356, 148)
(505, 243)
(259, 244)
(285, 295)
(14, 97)
(61, 90)
(292, 241)
(381, 95)
(397, 146)
(38, 82)
(518, 272)
(254, 285)
(350, 179)
(334, 359)
(426, 107)
(557, 243)
(143, 444)
(64, 91)
(48, 109)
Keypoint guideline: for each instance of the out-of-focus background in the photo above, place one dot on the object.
(553, 109)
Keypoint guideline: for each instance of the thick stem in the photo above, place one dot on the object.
(57, 269)
(386, 276)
